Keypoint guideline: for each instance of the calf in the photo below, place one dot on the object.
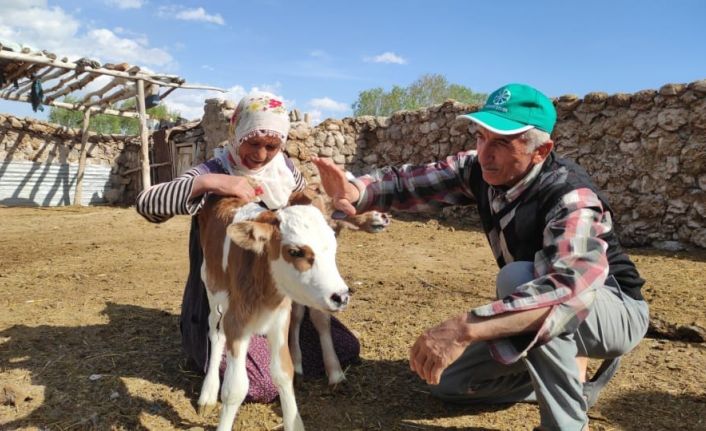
(255, 263)
(372, 222)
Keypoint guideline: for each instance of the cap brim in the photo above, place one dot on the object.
(496, 123)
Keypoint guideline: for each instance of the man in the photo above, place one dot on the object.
(566, 291)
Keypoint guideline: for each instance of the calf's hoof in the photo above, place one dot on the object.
(336, 377)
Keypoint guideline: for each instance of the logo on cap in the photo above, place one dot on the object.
(502, 97)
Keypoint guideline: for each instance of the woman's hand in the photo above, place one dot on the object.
(336, 185)
(224, 185)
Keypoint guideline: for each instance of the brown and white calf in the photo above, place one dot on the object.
(255, 263)
(371, 222)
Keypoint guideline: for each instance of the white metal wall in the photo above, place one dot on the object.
(24, 183)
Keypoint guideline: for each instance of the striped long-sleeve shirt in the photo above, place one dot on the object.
(570, 265)
(162, 201)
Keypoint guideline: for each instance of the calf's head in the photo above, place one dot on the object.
(301, 249)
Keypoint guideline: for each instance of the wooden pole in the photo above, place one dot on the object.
(144, 135)
(82, 158)
(14, 56)
(78, 107)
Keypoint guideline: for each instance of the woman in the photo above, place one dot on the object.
(258, 134)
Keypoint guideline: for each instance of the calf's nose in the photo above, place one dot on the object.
(340, 299)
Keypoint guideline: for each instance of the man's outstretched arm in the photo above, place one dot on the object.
(440, 346)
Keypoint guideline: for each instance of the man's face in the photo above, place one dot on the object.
(503, 158)
(257, 151)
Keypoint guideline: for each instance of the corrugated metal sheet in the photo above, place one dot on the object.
(24, 183)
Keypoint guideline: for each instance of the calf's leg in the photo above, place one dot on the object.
(218, 304)
(295, 325)
(282, 370)
(322, 323)
(235, 382)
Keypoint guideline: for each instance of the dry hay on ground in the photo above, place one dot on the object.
(89, 332)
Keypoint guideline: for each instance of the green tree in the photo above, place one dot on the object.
(108, 124)
(429, 89)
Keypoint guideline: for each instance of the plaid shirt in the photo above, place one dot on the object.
(568, 269)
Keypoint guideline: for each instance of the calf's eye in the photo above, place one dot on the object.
(296, 252)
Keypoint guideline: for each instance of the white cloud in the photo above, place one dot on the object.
(35, 24)
(387, 57)
(190, 103)
(105, 44)
(328, 104)
(271, 88)
(317, 53)
(199, 14)
(126, 4)
(207, 67)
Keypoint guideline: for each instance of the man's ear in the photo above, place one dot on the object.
(251, 235)
(542, 152)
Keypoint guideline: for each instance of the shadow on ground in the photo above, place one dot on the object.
(661, 410)
(83, 370)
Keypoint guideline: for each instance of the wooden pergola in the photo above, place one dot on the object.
(25, 74)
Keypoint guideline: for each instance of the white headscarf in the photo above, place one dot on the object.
(261, 114)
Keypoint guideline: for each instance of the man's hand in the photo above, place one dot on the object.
(439, 347)
(343, 193)
(224, 185)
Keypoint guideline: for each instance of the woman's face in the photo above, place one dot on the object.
(258, 151)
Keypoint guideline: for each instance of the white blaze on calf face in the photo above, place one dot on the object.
(306, 268)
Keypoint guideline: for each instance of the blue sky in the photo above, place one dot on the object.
(319, 55)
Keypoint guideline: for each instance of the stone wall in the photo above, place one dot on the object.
(646, 150)
(37, 141)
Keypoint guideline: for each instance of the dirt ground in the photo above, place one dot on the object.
(89, 304)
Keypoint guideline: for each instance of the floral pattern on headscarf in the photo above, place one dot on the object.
(264, 104)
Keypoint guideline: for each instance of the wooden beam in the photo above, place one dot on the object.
(101, 91)
(144, 135)
(166, 93)
(18, 73)
(63, 81)
(42, 77)
(73, 87)
(14, 56)
(31, 75)
(122, 94)
(79, 107)
(82, 158)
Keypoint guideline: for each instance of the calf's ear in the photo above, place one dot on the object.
(251, 235)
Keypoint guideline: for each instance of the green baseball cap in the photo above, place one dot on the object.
(515, 108)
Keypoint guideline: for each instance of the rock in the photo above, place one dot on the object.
(672, 89)
(619, 99)
(672, 119)
(669, 245)
(698, 86)
(692, 333)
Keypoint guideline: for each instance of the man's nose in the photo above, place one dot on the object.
(261, 153)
